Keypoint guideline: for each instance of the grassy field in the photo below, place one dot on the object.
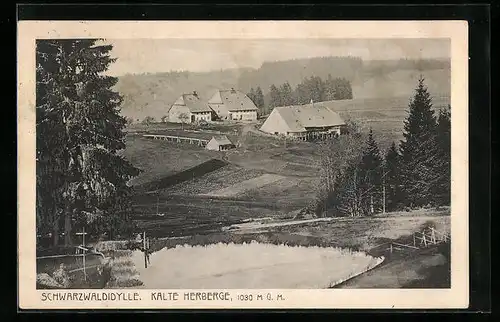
(263, 177)
(368, 232)
(384, 115)
(158, 159)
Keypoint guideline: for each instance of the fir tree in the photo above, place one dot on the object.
(443, 138)
(259, 98)
(275, 97)
(286, 93)
(316, 89)
(343, 89)
(391, 179)
(80, 176)
(370, 170)
(330, 88)
(419, 153)
(251, 95)
(301, 94)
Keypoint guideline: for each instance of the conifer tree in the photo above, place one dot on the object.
(316, 89)
(259, 98)
(251, 95)
(443, 138)
(286, 94)
(419, 153)
(330, 88)
(370, 171)
(301, 94)
(275, 97)
(80, 176)
(391, 179)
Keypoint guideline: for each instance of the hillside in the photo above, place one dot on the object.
(152, 94)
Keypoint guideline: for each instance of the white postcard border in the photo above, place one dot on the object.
(455, 297)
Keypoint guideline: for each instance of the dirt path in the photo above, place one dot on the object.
(426, 269)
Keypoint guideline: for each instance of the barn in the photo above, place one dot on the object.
(219, 143)
(233, 105)
(189, 108)
(304, 122)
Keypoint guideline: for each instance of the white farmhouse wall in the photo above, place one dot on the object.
(175, 112)
(275, 124)
(244, 115)
(220, 110)
(202, 116)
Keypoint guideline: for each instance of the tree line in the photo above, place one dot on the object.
(311, 88)
(81, 180)
(358, 179)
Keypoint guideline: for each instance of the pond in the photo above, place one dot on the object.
(250, 265)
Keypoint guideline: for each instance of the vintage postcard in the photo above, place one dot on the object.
(243, 164)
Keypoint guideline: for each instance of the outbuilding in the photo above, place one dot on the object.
(220, 143)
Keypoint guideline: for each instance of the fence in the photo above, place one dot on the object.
(179, 139)
(83, 260)
(423, 239)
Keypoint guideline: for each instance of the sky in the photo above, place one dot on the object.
(136, 56)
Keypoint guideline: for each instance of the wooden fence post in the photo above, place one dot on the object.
(391, 247)
(424, 240)
(84, 255)
(145, 250)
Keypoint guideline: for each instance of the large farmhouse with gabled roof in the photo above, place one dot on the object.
(233, 105)
(189, 108)
(304, 122)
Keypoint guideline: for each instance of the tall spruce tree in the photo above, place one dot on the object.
(275, 96)
(251, 95)
(315, 88)
(80, 176)
(443, 138)
(302, 94)
(330, 88)
(343, 89)
(259, 98)
(419, 154)
(286, 93)
(370, 171)
(391, 179)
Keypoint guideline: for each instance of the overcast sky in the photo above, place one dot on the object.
(163, 55)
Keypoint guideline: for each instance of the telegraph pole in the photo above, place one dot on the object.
(158, 203)
(383, 195)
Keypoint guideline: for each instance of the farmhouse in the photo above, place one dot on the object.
(304, 122)
(189, 108)
(233, 105)
(219, 143)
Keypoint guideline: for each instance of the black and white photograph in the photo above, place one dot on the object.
(243, 163)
